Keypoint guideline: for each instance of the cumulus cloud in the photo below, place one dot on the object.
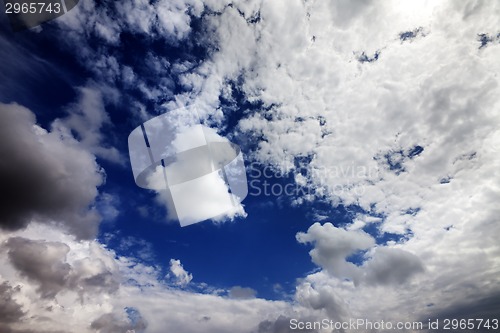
(56, 278)
(178, 274)
(45, 175)
(323, 298)
(45, 263)
(10, 310)
(186, 312)
(392, 266)
(384, 266)
(112, 323)
(42, 262)
(333, 245)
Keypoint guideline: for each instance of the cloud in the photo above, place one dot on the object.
(7, 329)
(280, 325)
(132, 246)
(383, 266)
(45, 263)
(42, 262)
(171, 20)
(322, 296)
(178, 274)
(107, 205)
(238, 292)
(480, 307)
(392, 266)
(188, 312)
(86, 119)
(57, 277)
(45, 175)
(333, 245)
(112, 323)
(77, 276)
(10, 310)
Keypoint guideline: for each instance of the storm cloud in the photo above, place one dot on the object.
(45, 263)
(10, 310)
(44, 176)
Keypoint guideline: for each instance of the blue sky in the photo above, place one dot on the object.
(380, 118)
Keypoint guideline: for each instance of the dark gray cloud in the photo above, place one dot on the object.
(10, 310)
(45, 263)
(482, 308)
(44, 176)
(392, 266)
(114, 323)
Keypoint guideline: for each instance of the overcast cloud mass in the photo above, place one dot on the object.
(383, 117)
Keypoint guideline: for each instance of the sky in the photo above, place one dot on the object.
(369, 132)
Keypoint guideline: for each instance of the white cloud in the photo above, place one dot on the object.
(86, 118)
(382, 265)
(333, 245)
(178, 274)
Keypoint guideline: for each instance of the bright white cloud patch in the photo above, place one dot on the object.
(333, 246)
(178, 274)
